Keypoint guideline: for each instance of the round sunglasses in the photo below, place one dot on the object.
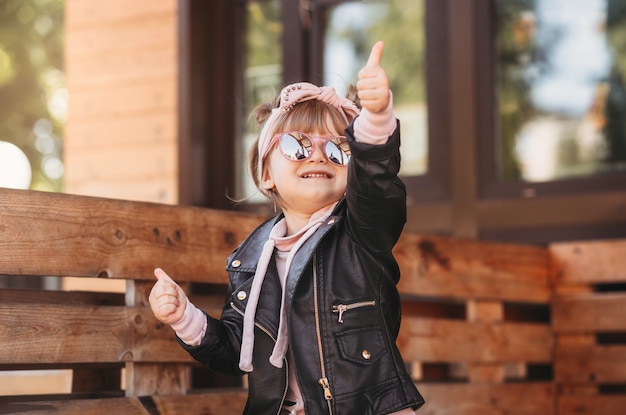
(298, 146)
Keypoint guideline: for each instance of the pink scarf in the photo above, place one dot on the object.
(277, 236)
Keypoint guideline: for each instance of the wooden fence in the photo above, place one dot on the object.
(488, 328)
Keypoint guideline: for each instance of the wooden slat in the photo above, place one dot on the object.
(449, 267)
(439, 340)
(126, 406)
(53, 334)
(49, 233)
(123, 66)
(159, 161)
(138, 188)
(60, 297)
(95, 134)
(218, 402)
(589, 262)
(89, 13)
(468, 399)
(589, 364)
(144, 379)
(143, 33)
(221, 402)
(589, 313)
(110, 100)
(591, 405)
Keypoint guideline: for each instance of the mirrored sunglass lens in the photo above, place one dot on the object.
(293, 148)
(336, 154)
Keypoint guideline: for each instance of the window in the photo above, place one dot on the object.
(352, 28)
(561, 89)
(327, 42)
(556, 84)
(462, 73)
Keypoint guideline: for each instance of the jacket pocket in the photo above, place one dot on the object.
(363, 346)
(340, 309)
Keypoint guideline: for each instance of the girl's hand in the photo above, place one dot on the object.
(373, 85)
(167, 299)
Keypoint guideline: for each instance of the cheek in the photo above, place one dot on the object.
(275, 166)
(342, 177)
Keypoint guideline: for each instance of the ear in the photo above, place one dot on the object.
(267, 182)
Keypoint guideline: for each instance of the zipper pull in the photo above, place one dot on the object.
(326, 386)
(341, 308)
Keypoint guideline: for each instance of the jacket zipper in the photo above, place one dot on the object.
(323, 381)
(342, 308)
(266, 331)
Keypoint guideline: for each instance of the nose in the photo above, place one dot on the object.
(318, 154)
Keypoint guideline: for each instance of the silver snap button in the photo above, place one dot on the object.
(236, 263)
(241, 295)
(366, 354)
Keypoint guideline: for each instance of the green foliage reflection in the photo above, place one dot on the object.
(32, 94)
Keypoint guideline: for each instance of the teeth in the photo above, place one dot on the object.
(321, 175)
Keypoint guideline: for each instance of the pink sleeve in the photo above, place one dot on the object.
(192, 326)
(375, 128)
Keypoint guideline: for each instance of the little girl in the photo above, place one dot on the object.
(313, 311)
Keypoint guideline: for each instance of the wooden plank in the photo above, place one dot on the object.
(138, 188)
(159, 161)
(591, 405)
(141, 97)
(489, 312)
(487, 399)
(439, 340)
(153, 33)
(144, 379)
(591, 209)
(590, 262)
(49, 233)
(123, 66)
(220, 402)
(458, 268)
(589, 313)
(54, 334)
(154, 128)
(60, 297)
(94, 12)
(589, 364)
(77, 407)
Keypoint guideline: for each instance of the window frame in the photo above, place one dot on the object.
(460, 194)
(491, 186)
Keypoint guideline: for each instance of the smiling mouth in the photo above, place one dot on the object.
(316, 176)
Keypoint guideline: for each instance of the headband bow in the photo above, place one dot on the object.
(294, 94)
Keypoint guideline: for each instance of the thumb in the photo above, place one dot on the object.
(162, 275)
(376, 54)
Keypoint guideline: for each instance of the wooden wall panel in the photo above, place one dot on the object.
(463, 268)
(591, 262)
(122, 77)
(68, 235)
(589, 325)
(438, 340)
(510, 399)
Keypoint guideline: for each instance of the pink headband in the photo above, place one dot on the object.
(294, 94)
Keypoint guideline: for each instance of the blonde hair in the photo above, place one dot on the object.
(304, 116)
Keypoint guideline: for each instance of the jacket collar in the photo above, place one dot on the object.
(246, 256)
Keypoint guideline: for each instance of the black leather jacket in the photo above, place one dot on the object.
(341, 299)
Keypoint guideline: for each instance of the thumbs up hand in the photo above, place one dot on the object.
(373, 84)
(167, 299)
